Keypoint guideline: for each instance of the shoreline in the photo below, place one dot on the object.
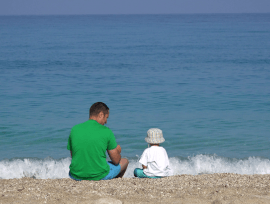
(206, 188)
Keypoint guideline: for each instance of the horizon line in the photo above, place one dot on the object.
(130, 14)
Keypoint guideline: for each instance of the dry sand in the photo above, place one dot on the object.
(206, 188)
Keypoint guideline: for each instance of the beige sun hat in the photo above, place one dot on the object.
(154, 136)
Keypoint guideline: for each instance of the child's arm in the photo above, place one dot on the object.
(143, 159)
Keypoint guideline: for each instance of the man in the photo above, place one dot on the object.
(88, 143)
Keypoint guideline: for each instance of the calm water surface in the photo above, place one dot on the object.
(203, 79)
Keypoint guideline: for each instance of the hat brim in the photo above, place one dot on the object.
(148, 140)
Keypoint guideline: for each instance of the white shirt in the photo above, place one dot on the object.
(157, 162)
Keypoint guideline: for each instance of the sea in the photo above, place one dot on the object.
(203, 79)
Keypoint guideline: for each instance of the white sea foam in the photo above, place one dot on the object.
(199, 164)
(35, 168)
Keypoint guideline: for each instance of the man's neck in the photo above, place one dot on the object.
(93, 118)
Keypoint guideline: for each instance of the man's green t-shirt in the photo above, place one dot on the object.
(88, 142)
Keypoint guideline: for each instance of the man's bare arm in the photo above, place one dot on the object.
(115, 154)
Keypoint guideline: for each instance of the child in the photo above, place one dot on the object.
(154, 160)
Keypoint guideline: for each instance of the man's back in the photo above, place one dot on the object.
(88, 142)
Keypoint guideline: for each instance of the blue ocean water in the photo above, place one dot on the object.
(203, 79)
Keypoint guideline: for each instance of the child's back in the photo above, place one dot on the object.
(154, 160)
(157, 162)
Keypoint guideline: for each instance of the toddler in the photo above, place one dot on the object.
(154, 160)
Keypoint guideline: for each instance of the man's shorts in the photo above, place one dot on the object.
(139, 173)
(114, 171)
(73, 177)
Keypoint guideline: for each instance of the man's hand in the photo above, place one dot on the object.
(115, 154)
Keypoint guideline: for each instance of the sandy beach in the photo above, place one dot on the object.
(206, 188)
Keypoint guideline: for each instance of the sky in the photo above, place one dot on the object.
(77, 7)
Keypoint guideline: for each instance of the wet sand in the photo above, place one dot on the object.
(206, 188)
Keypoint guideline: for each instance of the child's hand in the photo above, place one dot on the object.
(144, 167)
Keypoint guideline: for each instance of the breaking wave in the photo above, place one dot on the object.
(50, 168)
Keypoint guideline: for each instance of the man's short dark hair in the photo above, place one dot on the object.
(98, 107)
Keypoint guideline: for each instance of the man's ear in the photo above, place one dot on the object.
(101, 114)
